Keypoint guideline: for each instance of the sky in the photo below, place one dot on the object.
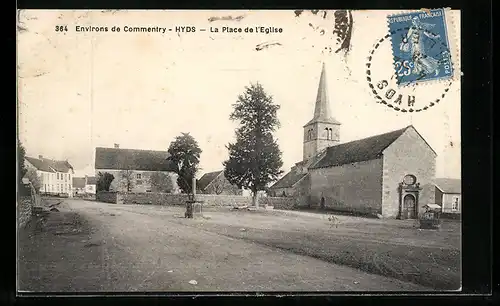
(81, 90)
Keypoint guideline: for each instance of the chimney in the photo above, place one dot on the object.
(40, 156)
(117, 146)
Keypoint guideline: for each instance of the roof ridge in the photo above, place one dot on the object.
(131, 149)
(370, 137)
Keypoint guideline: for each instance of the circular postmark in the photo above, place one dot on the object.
(411, 83)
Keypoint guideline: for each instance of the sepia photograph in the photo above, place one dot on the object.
(238, 151)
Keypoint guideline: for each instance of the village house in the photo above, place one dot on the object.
(90, 184)
(84, 185)
(391, 174)
(216, 183)
(449, 195)
(133, 168)
(56, 176)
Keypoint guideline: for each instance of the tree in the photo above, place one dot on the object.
(185, 155)
(35, 179)
(21, 155)
(255, 158)
(127, 179)
(161, 182)
(219, 186)
(104, 181)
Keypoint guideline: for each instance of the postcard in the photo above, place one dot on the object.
(239, 151)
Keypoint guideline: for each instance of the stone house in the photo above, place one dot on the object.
(449, 195)
(390, 174)
(216, 183)
(56, 176)
(133, 168)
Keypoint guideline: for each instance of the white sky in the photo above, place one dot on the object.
(140, 90)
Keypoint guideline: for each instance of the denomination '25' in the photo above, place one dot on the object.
(404, 67)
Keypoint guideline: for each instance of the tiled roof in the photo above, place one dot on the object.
(358, 150)
(39, 164)
(290, 179)
(295, 175)
(132, 159)
(207, 178)
(79, 182)
(449, 185)
(91, 180)
(49, 165)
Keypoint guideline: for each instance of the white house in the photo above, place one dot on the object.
(449, 195)
(90, 184)
(56, 176)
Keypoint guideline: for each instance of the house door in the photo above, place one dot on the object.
(409, 211)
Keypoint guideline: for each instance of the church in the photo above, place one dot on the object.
(390, 174)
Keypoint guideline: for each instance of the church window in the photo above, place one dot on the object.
(330, 134)
(327, 133)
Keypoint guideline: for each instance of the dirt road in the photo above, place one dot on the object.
(115, 248)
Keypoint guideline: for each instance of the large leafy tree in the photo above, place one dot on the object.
(104, 181)
(255, 158)
(185, 156)
(35, 179)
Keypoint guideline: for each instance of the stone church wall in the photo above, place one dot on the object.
(409, 154)
(353, 187)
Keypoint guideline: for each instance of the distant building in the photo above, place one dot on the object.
(216, 183)
(84, 185)
(78, 186)
(390, 174)
(56, 176)
(449, 195)
(90, 184)
(132, 168)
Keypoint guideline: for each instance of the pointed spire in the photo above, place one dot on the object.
(322, 108)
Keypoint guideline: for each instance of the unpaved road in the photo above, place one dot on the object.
(116, 248)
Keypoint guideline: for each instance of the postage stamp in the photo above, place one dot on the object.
(420, 46)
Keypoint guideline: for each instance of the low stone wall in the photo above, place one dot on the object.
(287, 203)
(24, 210)
(107, 197)
(156, 198)
(153, 198)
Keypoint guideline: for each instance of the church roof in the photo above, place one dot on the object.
(290, 179)
(359, 150)
(322, 108)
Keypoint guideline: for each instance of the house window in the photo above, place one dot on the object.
(139, 176)
(57, 175)
(454, 204)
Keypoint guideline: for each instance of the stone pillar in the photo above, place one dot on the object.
(194, 188)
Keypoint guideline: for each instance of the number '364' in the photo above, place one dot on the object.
(404, 68)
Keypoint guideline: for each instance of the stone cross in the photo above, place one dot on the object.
(194, 188)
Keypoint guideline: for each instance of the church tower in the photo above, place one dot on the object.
(323, 130)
